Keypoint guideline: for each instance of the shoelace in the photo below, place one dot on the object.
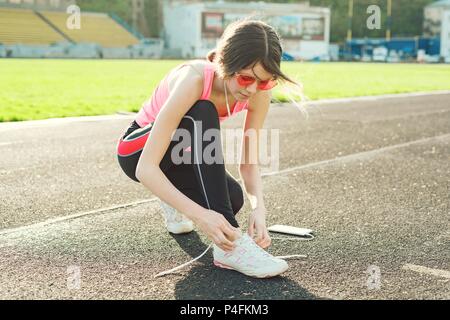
(293, 256)
(257, 248)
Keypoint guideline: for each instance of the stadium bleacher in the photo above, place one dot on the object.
(44, 34)
(95, 28)
(21, 26)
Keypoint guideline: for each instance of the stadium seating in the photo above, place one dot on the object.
(95, 28)
(26, 33)
(24, 26)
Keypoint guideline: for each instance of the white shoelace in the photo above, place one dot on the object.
(293, 256)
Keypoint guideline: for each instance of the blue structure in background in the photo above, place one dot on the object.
(357, 48)
(287, 57)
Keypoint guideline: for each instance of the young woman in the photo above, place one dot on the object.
(195, 97)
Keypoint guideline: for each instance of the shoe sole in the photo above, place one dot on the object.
(180, 230)
(269, 275)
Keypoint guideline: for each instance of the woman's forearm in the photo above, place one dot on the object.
(251, 178)
(154, 179)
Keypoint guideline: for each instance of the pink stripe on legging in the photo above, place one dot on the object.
(126, 148)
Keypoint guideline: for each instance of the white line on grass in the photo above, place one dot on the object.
(354, 156)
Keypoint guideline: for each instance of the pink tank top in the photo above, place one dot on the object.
(151, 107)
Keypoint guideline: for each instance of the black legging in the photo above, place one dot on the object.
(209, 185)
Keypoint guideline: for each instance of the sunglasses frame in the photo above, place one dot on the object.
(237, 74)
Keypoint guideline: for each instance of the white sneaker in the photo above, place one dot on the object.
(250, 259)
(176, 222)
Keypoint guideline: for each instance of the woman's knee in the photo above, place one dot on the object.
(128, 165)
(205, 111)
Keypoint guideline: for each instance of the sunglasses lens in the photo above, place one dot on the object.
(245, 80)
(263, 85)
(267, 85)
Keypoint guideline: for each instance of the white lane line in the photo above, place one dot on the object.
(425, 270)
(402, 117)
(73, 216)
(379, 97)
(9, 143)
(5, 126)
(20, 169)
(359, 156)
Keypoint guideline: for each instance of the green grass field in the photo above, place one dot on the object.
(40, 89)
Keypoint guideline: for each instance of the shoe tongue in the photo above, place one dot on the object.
(242, 239)
(247, 239)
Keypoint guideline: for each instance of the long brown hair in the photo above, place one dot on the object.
(246, 42)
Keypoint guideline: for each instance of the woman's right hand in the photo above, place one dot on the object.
(218, 229)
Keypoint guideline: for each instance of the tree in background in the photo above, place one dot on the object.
(154, 14)
(123, 8)
(119, 7)
(407, 15)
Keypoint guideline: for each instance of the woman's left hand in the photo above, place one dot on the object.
(257, 228)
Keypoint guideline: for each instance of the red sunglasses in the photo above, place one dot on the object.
(245, 81)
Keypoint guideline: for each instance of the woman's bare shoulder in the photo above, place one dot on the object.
(194, 68)
(198, 65)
